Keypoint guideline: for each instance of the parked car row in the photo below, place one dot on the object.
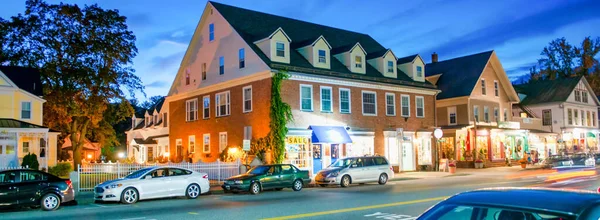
(580, 159)
(23, 187)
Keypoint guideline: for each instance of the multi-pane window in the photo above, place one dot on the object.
(211, 32)
(584, 96)
(344, 100)
(486, 114)
(570, 116)
(358, 61)
(25, 110)
(594, 119)
(476, 113)
(222, 103)
(221, 65)
(505, 114)
(496, 88)
(203, 71)
(25, 147)
(576, 114)
(405, 104)
(420, 104)
(390, 104)
(322, 56)
(452, 115)
(577, 96)
(546, 117)
(369, 102)
(206, 143)
(247, 96)
(582, 118)
(206, 107)
(390, 66)
(280, 49)
(326, 99)
(483, 91)
(222, 141)
(191, 109)
(588, 119)
(419, 71)
(192, 144)
(496, 114)
(242, 58)
(306, 96)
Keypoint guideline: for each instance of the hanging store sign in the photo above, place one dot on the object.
(296, 140)
(5, 135)
(246, 145)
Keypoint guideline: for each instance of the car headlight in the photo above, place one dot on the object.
(239, 182)
(112, 186)
(334, 174)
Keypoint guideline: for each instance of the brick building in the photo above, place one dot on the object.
(349, 95)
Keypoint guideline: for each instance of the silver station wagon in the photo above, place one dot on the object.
(356, 170)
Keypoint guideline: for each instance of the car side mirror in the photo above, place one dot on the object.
(147, 177)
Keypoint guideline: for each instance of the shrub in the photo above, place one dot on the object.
(61, 169)
(30, 160)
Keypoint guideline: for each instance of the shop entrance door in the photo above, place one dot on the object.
(317, 164)
(8, 156)
(408, 157)
(335, 153)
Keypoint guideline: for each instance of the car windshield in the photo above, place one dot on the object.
(342, 163)
(138, 173)
(259, 170)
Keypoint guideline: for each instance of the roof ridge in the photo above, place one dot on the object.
(465, 56)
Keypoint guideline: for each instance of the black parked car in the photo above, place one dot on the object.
(32, 188)
(518, 203)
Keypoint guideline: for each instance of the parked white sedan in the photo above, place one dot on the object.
(151, 183)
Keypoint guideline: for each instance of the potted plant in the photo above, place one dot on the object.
(523, 163)
(478, 163)
(452, 167)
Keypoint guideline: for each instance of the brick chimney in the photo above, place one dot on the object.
(434, 57)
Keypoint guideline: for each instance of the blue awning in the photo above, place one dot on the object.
(330, 135)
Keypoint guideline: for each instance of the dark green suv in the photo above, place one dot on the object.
(276, 176)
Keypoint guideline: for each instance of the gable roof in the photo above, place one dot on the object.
(157, 106)
(28, 79)
(407, 59)
(459, 75)
(310, 42)
(253, 26)
(13, 123)
(347, 48)
(546, 91)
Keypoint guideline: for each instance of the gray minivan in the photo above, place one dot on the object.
(356, 170)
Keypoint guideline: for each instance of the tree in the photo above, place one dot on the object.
(559, 59)
(84, 56)
(150, 103)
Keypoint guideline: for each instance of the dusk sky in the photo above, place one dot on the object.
(516, 29)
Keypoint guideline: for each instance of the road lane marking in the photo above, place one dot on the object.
(388, 216)
(360, 208)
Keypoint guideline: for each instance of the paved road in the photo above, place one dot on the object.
(396, 200)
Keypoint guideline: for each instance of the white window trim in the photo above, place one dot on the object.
(417, 71)
(349, 100)
(189, 143)
(30, 110)
(496, 117)
(227, 104)
(486, 113)
(386, 103)
(203, 144)
(476, 116)
(363, 102)
(387, 66)
(311, 98)
(319, 56)
(279, 42)
(187, 115)
(496, 89)
(206, 116)
(417, 106)
(244, 99)
(455, 115)
(483, 87)
(330, 97)
(361, 62)
(220, 143)
(401, 106)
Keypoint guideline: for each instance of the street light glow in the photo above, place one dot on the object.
(89, 156)
(121, 155)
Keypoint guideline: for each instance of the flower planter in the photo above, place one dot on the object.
(452, 170)
(523, 165)
(478, 165)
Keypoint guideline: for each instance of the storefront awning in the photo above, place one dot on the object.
(330, 135)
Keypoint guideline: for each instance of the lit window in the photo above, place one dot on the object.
(420, 102)
(247, 96)
(192, 144)
(390, 104)
(222, 141)
(25, 147)
(206, 107)
(191, 109)
(25, 110)
(523, 115)
(358, 61)
(211, 32)
(206, 143)
(390, 66)
(546, 117)
(369, 102)
(322, 56)
(221, 65)
(326, 99)
(344, 100)
(419, 71)
(306, 98)
(280, 49)
(222, 103)
(405, 103)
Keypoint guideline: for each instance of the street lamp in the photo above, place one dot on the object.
(437, 133)
(121, 155)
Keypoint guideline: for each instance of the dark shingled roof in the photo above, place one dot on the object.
(13, 123)
(459, 75)
(25, 78)
(407, 59)
(253, 26)
(157, 106)
(547, 90)
(140, 125)
(142, 141)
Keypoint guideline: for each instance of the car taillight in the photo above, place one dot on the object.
(598, 190)
(205, 176)
(392, 169)
(69, 183)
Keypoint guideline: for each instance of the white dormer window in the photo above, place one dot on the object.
(358, 61)
(322, 56)
(390, 66)
(280, 49)
(419, 71)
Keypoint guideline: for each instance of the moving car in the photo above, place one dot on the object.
(276, 176)
(356, 170)
(23, 187)
(151, 183)
(518, 203)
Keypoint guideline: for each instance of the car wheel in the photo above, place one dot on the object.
(278, 189)
(129, 196)
(297, 186)
(323, 185)
(255, 188)
(345, 181)
(50, 202)
(383, 178)
(192, 191)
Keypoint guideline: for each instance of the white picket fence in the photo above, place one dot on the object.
(92, 174)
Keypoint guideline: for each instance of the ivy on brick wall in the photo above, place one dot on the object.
(280, 114)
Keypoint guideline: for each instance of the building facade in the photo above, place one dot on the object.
(21, 117)
(349, 95)
(148, 138)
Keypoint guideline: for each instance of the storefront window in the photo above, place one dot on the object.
(461, 145)
(497, 146)
(360, 146)
(447, 148)
(298, 152)
(391, 150)
(424, 150)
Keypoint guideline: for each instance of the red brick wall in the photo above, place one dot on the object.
(232, 124)
(291, 95)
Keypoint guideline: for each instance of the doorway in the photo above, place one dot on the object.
(408, 155)
(317, 163)
(8, 156)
